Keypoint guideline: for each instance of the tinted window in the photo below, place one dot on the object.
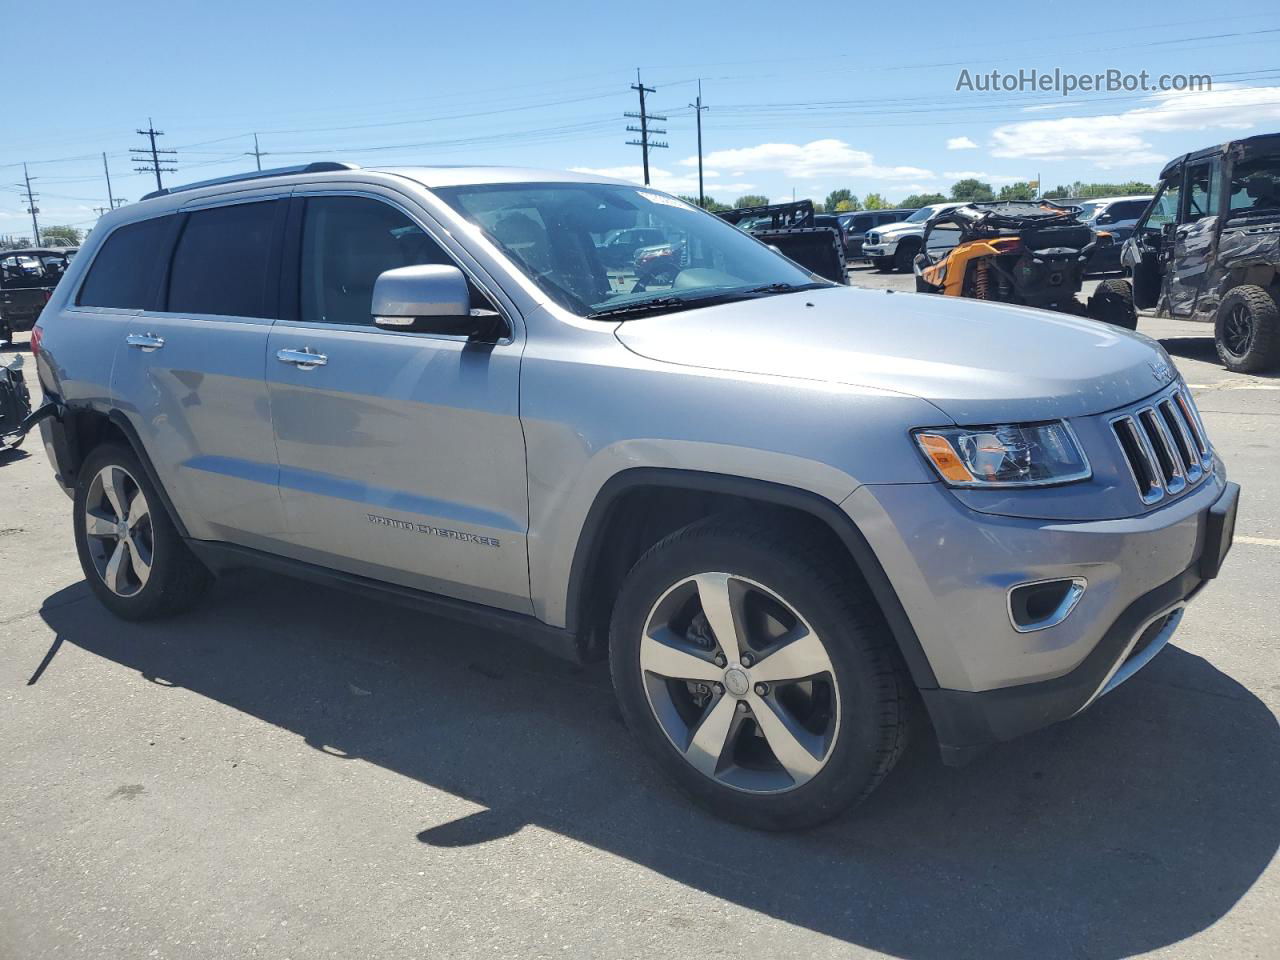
(863, 224)
(1127, 209)
(222, 262)
(346, 243)
(123, 274)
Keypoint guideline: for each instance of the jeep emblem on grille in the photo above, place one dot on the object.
(1162, 370)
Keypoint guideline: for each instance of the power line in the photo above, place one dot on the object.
(644, 142)
(154, 165)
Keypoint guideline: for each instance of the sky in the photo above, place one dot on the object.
(826, 96)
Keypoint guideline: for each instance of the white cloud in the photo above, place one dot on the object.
(980, 175)
(961, 143)
(1117, 139)
(671, 182)
(816, 159)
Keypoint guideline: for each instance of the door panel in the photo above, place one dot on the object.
(190, 373)
(401, 455)
(402, 458)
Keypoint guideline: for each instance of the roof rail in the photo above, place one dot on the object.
(320, 166)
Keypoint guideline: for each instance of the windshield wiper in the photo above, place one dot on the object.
(668, 303)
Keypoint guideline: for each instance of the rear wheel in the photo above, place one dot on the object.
(131, 554)
(756, 674)
(1112, 303)
(883, 264)
(1247, 330)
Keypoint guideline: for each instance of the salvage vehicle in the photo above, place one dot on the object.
(1027, 252)
(895, 245)
(812, 240)
(15, 401)
(787, 511)
(1208, 248)
(27, 279)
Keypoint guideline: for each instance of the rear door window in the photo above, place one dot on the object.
(126, 270)
(223, 262)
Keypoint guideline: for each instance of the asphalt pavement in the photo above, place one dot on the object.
(288, 772)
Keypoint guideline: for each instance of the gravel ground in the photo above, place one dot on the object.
(287, 772)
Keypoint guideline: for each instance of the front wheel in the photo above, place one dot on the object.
(1112, 303)
(905, 256)
(1247, 330)
(131, 554)
(756, 673)
(883, 264)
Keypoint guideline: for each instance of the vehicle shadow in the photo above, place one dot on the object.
(1202, 348)
(1128, 829)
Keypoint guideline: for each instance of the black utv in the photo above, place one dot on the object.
(1208, 248)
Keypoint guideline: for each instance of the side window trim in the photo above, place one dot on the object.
(301, 195)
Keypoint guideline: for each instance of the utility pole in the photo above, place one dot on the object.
(255, 152)
(698, 108)
(152, 165)
(111, 197)
(31, 205)
(644, 143)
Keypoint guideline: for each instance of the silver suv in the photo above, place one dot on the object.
(786, 511)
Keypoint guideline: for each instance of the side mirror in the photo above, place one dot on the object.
(1105, 218)
(431, 298)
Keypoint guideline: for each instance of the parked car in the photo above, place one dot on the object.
(15, 401)
(780, 506)
(27, 279)
(854, 227)
(1116, 216)
(1208, 248)
(895, 245)
(620, 246)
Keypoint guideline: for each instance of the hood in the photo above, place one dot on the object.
(978, 362)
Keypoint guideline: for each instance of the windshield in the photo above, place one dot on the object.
(923, 214)
(1089, 210)
(601, 248)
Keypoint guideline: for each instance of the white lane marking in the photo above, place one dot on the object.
(1262, 541)
(1233, 385)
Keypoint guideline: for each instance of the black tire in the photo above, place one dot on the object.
(883, 264)
(176, 578)
(905, 256)
(867, 727)
(1112, 302)
(1246, 330)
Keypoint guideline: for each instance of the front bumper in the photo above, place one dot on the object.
(952, 569)
(883, 249)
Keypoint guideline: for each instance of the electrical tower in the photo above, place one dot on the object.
(697, 109)
(153, 163)
(256, 153)
(644, 143)
(31, 204)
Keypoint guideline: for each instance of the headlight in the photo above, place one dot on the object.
(1008, 455)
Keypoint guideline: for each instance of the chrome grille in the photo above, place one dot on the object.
(1165, 445)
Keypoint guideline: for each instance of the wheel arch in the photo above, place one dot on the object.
(595, 569)
(83, 428)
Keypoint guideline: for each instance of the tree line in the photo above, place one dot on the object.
(968, 189)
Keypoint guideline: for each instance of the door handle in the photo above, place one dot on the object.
(144, 341)
(304, 359)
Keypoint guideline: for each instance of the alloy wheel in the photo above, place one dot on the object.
(1237, 332)
(740, 683)
(118, 531)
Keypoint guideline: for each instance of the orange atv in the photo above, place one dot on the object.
(1031, 253)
